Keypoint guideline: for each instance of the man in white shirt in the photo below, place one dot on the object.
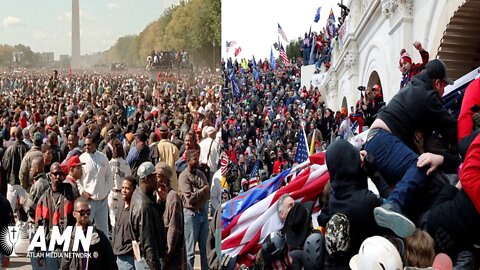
(209, 150)
(96, 183)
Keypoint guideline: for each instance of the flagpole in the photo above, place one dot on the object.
(305, 136)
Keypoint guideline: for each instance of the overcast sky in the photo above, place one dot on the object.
(253, 23)
(45, 25)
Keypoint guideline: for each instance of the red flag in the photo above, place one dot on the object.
(237, 51)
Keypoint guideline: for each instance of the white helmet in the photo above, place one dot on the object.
(376, 253)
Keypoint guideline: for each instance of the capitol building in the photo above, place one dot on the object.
(368, 47)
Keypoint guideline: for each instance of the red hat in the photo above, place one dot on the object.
(377, 87)
(74, 162)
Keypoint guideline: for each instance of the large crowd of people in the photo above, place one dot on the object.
(133, 156)
(424, 207)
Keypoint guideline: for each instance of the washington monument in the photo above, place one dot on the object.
(75, 60)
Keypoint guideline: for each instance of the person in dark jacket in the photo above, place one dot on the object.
(11, 162)
(349, 191)
(100, 249)
(140, 153)
(417, 107)
(454, 219)
(146, 220)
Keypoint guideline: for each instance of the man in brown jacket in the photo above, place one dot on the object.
(195, 193)
(176, 256)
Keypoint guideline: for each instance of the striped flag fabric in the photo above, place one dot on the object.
(282, 33)
(254, 178)
(238, 204)
(244, 235)
(301, 155)
(224, 163)
(284, 56)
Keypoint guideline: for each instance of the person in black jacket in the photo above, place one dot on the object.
(146, 220)
(416, 107)
(100, 249)
(350, 194)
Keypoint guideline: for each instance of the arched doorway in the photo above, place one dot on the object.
(374, 79)
(460, 46)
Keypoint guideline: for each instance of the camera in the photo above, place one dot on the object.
(361, 88)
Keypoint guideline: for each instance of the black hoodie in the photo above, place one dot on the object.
(350, 194)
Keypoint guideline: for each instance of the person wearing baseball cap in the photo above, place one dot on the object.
(173, 217)
(415, 108)
(146, 221)
(75, 171)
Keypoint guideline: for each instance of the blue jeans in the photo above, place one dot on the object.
(396, 161)
(141, 265)
(196, 230)
(125, 262)
(99, 214)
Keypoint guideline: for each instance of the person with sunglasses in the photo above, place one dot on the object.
(55, 209)
(100, 247)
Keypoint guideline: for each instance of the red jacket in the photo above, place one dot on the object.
(470, 174)
(471, 97)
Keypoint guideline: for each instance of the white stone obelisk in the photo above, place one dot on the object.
(75, 60)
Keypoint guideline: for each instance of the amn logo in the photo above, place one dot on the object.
(10, 236)
(57, 238)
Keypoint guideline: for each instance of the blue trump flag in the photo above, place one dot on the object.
(255, 69)
(317, 15)
(272, 60)
(243, 201)
(235, 90)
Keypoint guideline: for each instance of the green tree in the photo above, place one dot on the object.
(293, 49)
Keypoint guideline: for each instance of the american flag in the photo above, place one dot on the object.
(254, 179)
(302, 149)
(282, 33)
(230, 44)
(284, 56)
(244, 235)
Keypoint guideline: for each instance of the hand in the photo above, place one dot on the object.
(41, 262)
(418, 140)
(418, 45)
(364, 107)
(162, 193)
(431, 160)
(476, 120)
(86, 195)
